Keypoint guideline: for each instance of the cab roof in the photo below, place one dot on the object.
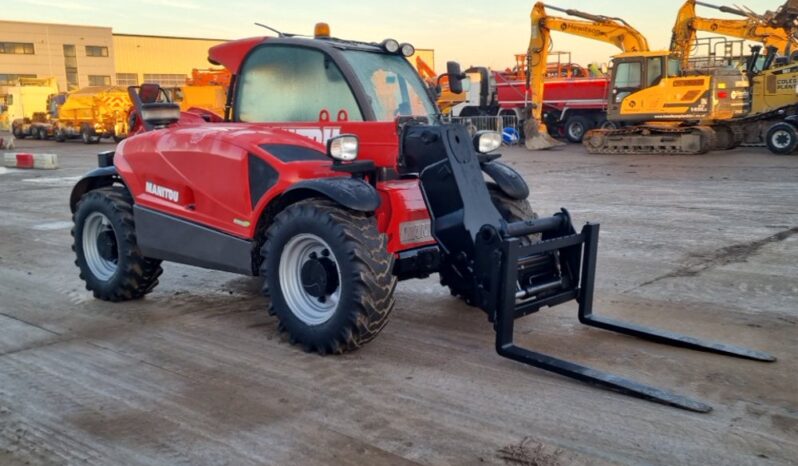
(231, 54)
(650, 53)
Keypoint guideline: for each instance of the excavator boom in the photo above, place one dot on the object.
(771, 29)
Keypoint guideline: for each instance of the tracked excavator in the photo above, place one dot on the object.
(772, 91)
(659, 108)
(611, 30)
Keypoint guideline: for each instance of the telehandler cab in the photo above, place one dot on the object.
(333, 177)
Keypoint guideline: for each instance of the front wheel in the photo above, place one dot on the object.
(329, 275)
(108, 256)
(782, 139)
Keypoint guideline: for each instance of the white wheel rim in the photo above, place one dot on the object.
(95, 225)
(780, 139)
(306, 307)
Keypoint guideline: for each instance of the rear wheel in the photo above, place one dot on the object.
(782, 139)
(108, 256)
(43, 134)
(329, 275)
(60, 135)
(512, 210)
(576, 127)
(17, 132)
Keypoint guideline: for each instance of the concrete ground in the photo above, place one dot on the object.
(197, 373)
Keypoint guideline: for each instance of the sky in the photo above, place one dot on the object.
(473, 32)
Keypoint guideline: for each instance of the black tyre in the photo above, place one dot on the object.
(17, 132)
(43, 134)
(35, 134)
(576, 127)
(782, 139)
(512, 210)
(87, 135)
(108, 256)
(60, 136)
(329, 275)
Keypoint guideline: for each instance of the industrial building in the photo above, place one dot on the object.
(80, 56)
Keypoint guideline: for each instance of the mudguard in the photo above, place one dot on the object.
(507, 179)
(351, 193)
(97, 178)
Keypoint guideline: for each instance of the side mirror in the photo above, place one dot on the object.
(160, 114)
(149, 93)
(456, 76)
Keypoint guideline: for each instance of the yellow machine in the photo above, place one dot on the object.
(757, 28)
(611, 30)
(772, 87)
(206, 89)
(21, 101)
(663, 110)
(93, 113)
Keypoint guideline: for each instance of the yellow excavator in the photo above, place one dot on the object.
(773, 77)
(611, 30)
(766, 29)
(659, 108)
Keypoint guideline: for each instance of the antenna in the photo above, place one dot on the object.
(279, 34)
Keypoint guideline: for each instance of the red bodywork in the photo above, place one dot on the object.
(205, 162)
(558, 93)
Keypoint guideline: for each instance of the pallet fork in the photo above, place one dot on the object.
(513, 276)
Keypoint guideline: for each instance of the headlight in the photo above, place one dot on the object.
(487, 141)
(343, 147)
(390, 45)
(408, 50)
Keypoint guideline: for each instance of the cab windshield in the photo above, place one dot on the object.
(393, 87)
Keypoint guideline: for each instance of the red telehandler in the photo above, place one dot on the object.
(333, 177)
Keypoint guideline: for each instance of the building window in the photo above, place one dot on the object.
(96, 51)
(71, 67)
(95, 80)
(127, 79)
(12, 79)
(166, 80)
(16, 48)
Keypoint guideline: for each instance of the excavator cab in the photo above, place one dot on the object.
(639, 81)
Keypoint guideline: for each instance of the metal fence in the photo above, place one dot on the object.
(490, 123)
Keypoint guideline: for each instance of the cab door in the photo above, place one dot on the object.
(627, 78)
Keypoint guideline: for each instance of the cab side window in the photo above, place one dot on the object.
(292, 84)
(628, 75)
(654, 71)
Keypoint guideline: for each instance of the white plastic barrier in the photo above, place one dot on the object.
(29, 160)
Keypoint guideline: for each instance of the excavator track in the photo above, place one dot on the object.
(690, 140)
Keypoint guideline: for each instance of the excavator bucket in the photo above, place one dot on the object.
(510, 275)
(537, 137)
